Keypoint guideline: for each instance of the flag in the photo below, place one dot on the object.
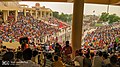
(60, 25)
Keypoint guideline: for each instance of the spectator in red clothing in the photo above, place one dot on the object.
(67, 51)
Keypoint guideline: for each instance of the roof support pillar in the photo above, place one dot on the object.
(24, 12)
(40, 14)
(31, 12)
(5, 15)
(77, 25)
(16, 14)
(8, 12)
(45, 14)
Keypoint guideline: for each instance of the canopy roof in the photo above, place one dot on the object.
(9, 5)
(2, 7)
(112, 2)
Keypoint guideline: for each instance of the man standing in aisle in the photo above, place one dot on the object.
(67, 51)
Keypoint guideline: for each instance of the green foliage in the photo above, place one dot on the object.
(113, 18)
(104, 17)
(110, 18)
(63, 17)
(98, 24)
(56, 14)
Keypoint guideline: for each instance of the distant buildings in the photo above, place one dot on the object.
(89, 21)
(38, 12)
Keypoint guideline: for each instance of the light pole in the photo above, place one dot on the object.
(93, 21)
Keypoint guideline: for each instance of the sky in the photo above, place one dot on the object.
(67, 8)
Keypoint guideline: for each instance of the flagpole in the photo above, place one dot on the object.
(108, 7)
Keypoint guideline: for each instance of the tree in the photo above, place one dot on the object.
(110, 18)
(104, 17)
(56, 14)
(113, 18)
(63, 17)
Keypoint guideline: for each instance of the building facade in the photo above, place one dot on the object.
(8, 8)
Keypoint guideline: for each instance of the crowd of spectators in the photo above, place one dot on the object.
(91, 55)
(29, 27)
(57, 22)
(60, 58)
(104, 37)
